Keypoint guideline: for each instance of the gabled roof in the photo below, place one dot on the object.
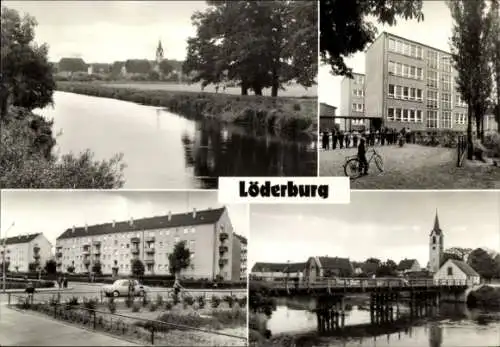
(19, 239)
(269, 267)
(161, 222)
(294, 267)
(242, 239)
(335, 263)
(406, 264)
(466, 268)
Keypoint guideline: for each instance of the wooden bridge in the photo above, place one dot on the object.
(295, 286)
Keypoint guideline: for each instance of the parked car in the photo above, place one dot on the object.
(121, 287)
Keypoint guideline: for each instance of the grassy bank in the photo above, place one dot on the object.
(485, 297)
(26, 159)
(281, 116)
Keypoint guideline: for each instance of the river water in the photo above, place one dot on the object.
(451, 325)
(165, 150)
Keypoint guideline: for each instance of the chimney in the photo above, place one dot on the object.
(169, 216)
(131, 222)
(194, 212)
(113, 223)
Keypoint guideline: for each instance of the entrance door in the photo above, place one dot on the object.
(376, 123)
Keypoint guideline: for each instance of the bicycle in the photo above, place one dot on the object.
(352, 168)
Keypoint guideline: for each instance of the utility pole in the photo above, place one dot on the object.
(4, 269)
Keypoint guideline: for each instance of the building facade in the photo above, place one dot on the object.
(243, 256)
(269, 271)
(409, 84)
(352, 103)
(456, 270)
(209, 235)
(22, 250)
(326, 117)
(406, 266)
(436, 245)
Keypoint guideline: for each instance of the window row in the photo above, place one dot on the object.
(405, 70)
(445, 119)
(405, 93)
(358, 92)
(404, 115)
(409, 49)
(359, 79)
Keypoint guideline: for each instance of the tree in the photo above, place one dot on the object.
(51, 267)
(137, 268)
(447, 256)
(495, 10)
(141, 66)
(165, 67)
(7, 265)
(461, 252)
(344, 29)
(26, 74)
(387, 268)
(72, 65)
(471, 50)
(179, 259)
(97, 268)
(483, 263)
(257, 44)
(371, 265)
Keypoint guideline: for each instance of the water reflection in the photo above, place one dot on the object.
(165, 150)
(215, 150)
(446, 326)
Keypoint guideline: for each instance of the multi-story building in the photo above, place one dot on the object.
(243, 257)
(215, 250)
(407, 84)
(352, 102)
(326, 117)
(22, 250)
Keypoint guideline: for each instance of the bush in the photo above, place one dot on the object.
(492, 143)
(169, 305)
(73, 301)
(136, 307)
(215, 301)
(159, 300)
(242, 301)
(112, 305)
(188, 300)
(176, 299)
(145, 300)
(201, 301)
(129, 301)
(229, 299)
(153, 307)
(90, 304)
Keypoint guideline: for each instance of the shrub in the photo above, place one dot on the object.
(188, 300)
(112, 305)
(136, 307)
(145, 300)
(215, 301)
(159, 300)
(169, 305)
(153, 307)
(90, 304)
(129, 301)
(176, 299)
(229, 299)
(242, 301)
(73, 301)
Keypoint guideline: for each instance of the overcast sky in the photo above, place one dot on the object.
(52, 212)
(386, 225)
(434, 31)
(107, 31)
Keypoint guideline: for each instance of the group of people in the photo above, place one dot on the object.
(62, 282)
(350, 139)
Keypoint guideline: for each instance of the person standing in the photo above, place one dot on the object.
(341, 139)
(334, 138)
(363, 163)
(325, 140)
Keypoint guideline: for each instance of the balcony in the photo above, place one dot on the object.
(223, 262)
(59, 263)
(86, 252)
(97, 251)
(223, 236)
(36, 256)
(59, 254)
(96, 243)
(223, 249)
(135, 240)
(134, 250)
(149, 261)
(86, 262)
(150, 250)
(150, 239)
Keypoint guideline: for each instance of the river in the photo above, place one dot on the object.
(451, 325)
(164, 150)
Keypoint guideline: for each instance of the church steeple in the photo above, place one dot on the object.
(436, 246)
(159, 52)
(436, 228)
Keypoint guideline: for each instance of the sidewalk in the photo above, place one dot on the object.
(37, 290)
(23, 329)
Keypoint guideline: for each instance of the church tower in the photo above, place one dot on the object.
(159, 56)
(435, 246)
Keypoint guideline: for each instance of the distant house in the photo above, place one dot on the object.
(295, 270)
(457, 270)
(70, 66)
(268, 271)
(321, 267)
(25, 249)
(408, 265)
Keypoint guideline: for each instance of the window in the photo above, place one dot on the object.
(412, 94)
(432, 119)
(399, 92)
(391, 90)
(406, 49)
(413, 52)
(413, 72)
(434, 239)
(446, 120)
(390, 114)
(446, 82)
(460, 118)
(405, 93)
(449, 271)
(420, 53)
(446, 101)
(406, 70)
(405, 115)
(399, 69)
(412, 116)
(459, 102)
(432, 59)
(397, 116)
(420, 73)
(419, 94)
(432, 99)
(392, 45)
(432, 79)
(399, 47)
(392, 67)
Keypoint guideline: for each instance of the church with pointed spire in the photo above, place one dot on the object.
(159, 56)
(436, 245)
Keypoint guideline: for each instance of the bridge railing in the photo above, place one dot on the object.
(335, 283)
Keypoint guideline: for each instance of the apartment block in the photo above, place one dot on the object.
(22, 250)
(215, 248)
(352, 102)
(243, 257)
(409, 84)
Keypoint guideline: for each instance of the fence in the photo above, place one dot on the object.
(122, 325)
(461, 149)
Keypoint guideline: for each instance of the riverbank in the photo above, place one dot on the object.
(485, 297)
(280, 116)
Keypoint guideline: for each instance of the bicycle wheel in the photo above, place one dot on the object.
(379, 162)
(351, 168)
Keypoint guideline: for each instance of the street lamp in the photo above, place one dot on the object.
(3, 255)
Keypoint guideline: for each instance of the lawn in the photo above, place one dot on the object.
(294, 90)
(415, 167)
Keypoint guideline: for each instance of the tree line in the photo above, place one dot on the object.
(255, 44)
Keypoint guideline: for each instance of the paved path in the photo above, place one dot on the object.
(24, 329)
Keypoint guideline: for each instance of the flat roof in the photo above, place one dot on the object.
(385, 33)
